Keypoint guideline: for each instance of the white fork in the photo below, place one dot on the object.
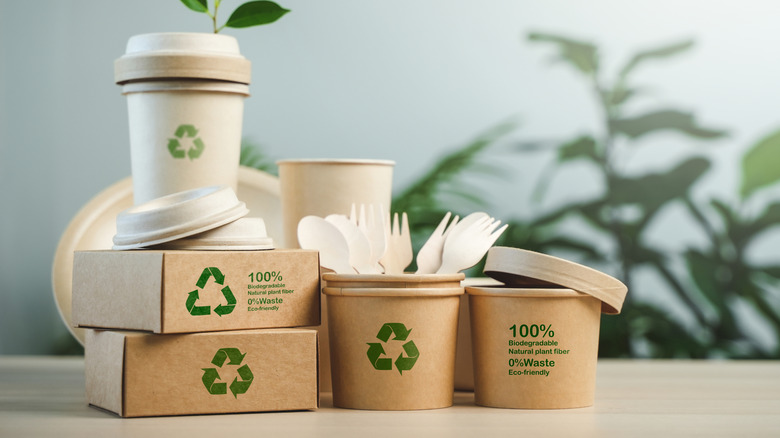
(399, 246)
(373, 226)
(464, 249)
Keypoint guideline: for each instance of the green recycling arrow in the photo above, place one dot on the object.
(393, 327)
(406, 363)
(375, 350)
(174, 145)
(210, 272)
(234, 354)
(231, 302)
(221, 309)
(241, 387)
(210, 375)
(188, 130)
(194, 310)
(173, 148)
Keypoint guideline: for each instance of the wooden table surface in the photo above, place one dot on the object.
(44, 396)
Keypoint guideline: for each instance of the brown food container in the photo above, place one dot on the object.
(392, 339)
(535, 340)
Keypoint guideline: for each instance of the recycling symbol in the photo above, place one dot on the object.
(186, 131)
(211, 375)
(376, 350)
(193, 296)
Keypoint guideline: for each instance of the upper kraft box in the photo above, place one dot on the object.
(140, 374)
(195, 291)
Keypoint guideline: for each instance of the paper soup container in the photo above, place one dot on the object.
(534, 348)
(535, 342)
(392, 339)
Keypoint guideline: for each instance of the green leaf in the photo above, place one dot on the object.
(255, 14)
(582, 55)
(661, 121)
(253, 156)
(197, 5)
(653, 190)
(582, 147)
(773, 271)
(703, 270)
(659, 53)
(422, 194)
(619, 95)
(760, 165)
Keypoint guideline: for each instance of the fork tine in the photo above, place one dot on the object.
(451, 226)
(405, 225)
(362, 220)
(396, 231)
(493, 237)
(493, 226)
(352, 215)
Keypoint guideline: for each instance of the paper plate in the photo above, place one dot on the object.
(94, 226)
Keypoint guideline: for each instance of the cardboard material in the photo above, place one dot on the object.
(138, 375)
(321, 187)
(191, 291)
(534, 348)
(183, 135)
(521, 268)
(392, 340)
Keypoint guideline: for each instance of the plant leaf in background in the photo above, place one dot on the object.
(657, 53)
(582, 55)
(255, 14)
(761, 165)
(663, 120)
(197, 5)
(252, 156)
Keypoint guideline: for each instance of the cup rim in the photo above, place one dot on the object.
(335, 161)
(393, 292)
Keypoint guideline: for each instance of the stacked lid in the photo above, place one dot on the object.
(206, 218)
(157, 56)
(520, 268)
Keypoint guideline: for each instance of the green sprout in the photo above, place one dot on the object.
(249, 14)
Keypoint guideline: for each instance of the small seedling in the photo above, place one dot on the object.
(249, 14)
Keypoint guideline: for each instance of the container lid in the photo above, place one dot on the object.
(527, 269)
(245, 234)
(182, 55)
(176, 216)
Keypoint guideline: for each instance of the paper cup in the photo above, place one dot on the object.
(534, 348)
(184, 135)
(185, 99)
(392, 340)
(321, 187)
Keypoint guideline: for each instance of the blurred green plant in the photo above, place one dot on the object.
(716, 276)
(709, 281)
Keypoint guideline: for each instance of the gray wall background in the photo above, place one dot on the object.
(403, 80)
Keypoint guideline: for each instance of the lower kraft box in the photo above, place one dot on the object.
(139, 375)
(196, 291)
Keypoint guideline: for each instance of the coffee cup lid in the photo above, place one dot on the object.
(177, 216)
(245, 234)
(527, 269)
(182, 56)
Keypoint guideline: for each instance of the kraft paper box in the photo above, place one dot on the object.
(196, 291)
(139, 374)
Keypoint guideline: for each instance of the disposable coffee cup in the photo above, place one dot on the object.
(392, 339)
(185, 99)
(321, 187)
